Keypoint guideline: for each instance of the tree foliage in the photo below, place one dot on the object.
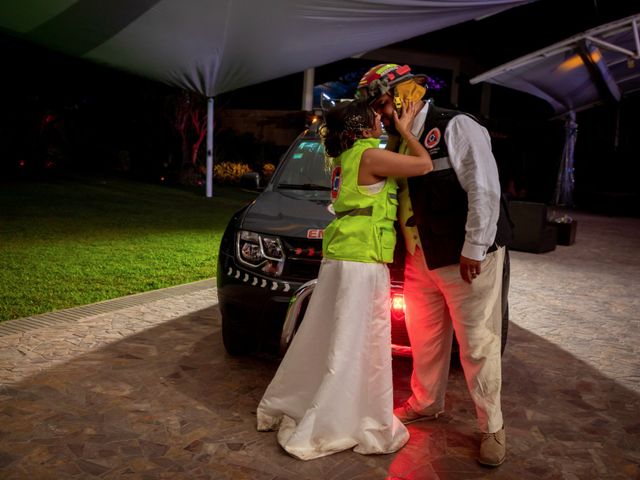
(187, 114)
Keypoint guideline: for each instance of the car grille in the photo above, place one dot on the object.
(303, 264)
(303, 258)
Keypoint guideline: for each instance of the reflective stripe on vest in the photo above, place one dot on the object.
(366, 212)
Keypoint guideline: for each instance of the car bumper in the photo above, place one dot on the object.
(255, 304)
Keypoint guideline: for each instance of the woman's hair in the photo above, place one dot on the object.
(344, 124)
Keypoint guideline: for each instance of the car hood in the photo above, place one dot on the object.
(288, 213)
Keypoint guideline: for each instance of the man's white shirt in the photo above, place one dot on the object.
(470, 155)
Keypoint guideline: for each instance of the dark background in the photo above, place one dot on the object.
(60, 114)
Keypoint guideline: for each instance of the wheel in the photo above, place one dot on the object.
(235, 341)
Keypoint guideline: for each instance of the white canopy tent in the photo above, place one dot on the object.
(215, 46)
(598, 66)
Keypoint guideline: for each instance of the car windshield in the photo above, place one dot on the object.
(305, 168)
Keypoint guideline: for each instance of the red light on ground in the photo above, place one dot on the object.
(397, 303)
(21, 163)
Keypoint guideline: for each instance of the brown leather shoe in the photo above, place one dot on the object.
(408, 415)
(493, 448)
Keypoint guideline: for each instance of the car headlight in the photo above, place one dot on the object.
(260, 251)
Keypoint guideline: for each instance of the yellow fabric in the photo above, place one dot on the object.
(405, 211)
(410, 90)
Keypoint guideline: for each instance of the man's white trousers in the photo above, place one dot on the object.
(439, 302)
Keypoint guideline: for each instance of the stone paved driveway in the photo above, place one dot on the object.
(146, 391)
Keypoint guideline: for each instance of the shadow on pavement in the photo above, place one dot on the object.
(170, 403)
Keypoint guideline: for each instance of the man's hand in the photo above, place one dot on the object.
(469, 269)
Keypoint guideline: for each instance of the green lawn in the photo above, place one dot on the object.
(69, 243)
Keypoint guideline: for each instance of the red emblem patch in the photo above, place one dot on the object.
(336, 181)
(432, 138)
(314, 233)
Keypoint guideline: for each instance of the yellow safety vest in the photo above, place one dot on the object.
(363, 228)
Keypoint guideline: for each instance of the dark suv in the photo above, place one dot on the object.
(273, 246)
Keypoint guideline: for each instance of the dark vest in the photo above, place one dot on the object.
(440, 204)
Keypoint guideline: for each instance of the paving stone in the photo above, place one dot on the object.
(147, 391)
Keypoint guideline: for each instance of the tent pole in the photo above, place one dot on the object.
(209, 147)
(307, 90)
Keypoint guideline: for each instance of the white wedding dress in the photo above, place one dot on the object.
(333, 390)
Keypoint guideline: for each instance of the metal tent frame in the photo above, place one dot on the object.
(598, 66)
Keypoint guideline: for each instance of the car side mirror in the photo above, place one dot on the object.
(251, 181)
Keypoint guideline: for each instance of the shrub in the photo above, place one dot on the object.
(267, 170)
(229, 172)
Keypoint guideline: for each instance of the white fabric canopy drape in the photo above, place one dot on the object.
(214, 46)
(599, 65)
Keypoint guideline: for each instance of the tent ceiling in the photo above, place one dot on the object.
(214, 46)
(597, 66)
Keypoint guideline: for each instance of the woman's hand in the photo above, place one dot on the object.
(404, 122)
